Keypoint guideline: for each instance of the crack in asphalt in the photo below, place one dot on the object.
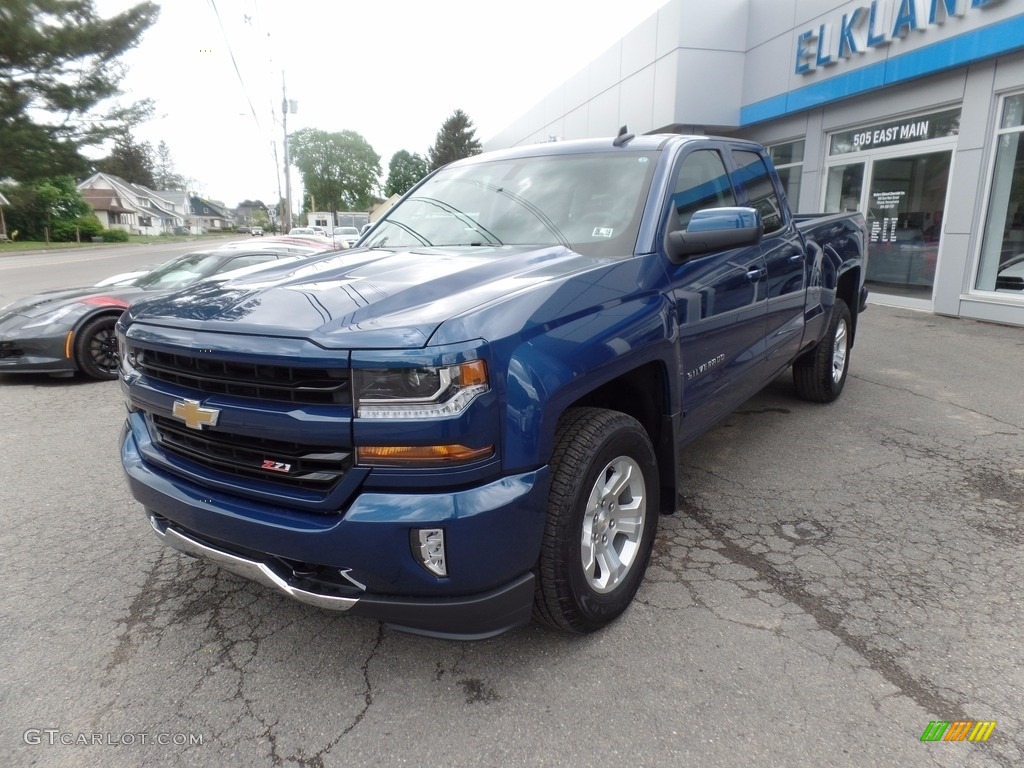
(217, 607)
(141, 610)
(317, 759)
(367, 692)
(794, 590)
(893, 387)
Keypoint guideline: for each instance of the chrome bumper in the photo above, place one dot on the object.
(249, 569)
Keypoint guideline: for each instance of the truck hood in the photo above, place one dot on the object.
(364, 298)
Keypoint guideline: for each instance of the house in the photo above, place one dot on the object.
(120, 204)
(245, 213)
(179, 200)
(381, 208)
(209, 216)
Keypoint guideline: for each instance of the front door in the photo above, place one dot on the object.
(720, 303)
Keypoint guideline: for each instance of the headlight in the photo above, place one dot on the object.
(418, 393)
(126, 355)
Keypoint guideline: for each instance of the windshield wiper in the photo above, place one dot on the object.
(465, 218)
(382, 243)
(542, 217)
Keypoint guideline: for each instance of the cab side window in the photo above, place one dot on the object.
(248, 261)
(752, 174)
(702, 182)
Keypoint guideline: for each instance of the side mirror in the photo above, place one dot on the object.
(715, 229)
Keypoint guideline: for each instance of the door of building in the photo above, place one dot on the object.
(898, 175)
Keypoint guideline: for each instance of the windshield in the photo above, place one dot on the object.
(591, 203)
(179, 272)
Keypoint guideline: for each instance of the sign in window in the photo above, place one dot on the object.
(906, 131)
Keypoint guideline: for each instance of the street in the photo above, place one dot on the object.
(23, 273)
(834, 579)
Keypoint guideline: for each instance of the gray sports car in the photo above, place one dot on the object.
(62, 332)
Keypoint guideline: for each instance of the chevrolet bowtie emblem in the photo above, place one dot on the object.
(194, 415)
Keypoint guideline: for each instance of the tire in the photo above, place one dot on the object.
(96, 348)
(601, 520)
(820, 373)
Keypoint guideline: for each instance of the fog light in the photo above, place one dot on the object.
(428, 549)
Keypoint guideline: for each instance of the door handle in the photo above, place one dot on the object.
(796, 258)
(756, 274)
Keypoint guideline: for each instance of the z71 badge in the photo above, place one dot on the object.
(276, 466)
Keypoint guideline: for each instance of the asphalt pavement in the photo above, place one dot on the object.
(836, 578)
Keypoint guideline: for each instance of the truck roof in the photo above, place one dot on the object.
(646, 142)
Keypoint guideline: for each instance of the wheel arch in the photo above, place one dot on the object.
(640, 387)
(71, 341)
(848, 289)
(643, 393)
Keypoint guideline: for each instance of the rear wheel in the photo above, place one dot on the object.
(96, 348)
(820, 373)
(602, 517)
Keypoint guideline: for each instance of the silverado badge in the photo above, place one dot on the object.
(194, 415)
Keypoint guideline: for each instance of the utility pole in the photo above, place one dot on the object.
(287, 218)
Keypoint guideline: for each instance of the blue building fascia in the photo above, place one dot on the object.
(996, 40)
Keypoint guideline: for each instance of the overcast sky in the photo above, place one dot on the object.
(390, 70)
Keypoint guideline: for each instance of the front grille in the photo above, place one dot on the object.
(314, 468)
(285, 383)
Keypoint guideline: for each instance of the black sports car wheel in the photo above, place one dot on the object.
(96, 348)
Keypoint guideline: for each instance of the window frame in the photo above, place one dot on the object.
(983, 222)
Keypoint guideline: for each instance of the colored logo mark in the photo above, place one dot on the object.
(958, 730)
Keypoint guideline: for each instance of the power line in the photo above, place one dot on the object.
(238, 72)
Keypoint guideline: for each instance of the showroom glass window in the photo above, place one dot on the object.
(788, 160)
(1002, 251)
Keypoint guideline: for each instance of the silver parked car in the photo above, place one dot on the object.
(347, 235)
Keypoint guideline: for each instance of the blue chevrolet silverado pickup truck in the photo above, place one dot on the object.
(475, 415)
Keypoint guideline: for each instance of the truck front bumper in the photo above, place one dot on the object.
(492, 536)
(462, 618)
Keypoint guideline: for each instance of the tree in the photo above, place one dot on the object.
(252, 212)
(164, 176)
(404, 171)
(339, 170)
(131, 161)
(454, 141)
(58, 64)
(260, 218)
(52, 206)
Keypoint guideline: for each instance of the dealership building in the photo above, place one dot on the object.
(911, 111)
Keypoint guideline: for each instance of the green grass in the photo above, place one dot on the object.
(137, 239)
(35, 245)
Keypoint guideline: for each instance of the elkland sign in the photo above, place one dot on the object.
(874, 26)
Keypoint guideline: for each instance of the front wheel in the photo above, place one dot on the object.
(820, 373)
(96, 348)
(602, 517)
